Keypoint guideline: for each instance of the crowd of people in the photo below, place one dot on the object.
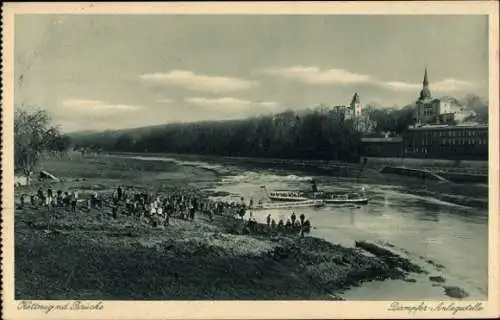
(52, 199)
(155, 208)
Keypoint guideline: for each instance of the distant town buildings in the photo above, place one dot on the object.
(445, 110)
(441, 131)
(467, 141)
(462, 141)
(355, 112)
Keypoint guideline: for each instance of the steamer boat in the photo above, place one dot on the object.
(314, 194)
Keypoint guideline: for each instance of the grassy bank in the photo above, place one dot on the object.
(90, 255)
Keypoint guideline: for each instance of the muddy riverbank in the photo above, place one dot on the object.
(90, 255)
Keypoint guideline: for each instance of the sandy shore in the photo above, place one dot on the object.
(90, 255)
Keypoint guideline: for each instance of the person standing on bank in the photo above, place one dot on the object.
(302, 218)
(119, 192)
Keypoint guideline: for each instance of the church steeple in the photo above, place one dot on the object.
(426, 81)
(425, 93)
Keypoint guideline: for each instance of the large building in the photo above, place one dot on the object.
(438, 111)
(462, 141)
(467, 141)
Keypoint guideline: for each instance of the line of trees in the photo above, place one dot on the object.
(392, 119)
(313, 134)
(35, 134)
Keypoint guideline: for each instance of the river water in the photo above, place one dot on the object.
(421, 228)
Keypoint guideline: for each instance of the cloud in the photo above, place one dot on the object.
(198, 82)
(96, 106)
(450, 84)
(314, 75)
(228, 103)
(402, 86)
(446, 85)
(317, 76)
(165, 100)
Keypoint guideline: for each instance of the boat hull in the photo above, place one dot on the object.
(291, 204)
(346, 201)
(326, 197)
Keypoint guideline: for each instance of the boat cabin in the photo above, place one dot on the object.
(288, 194)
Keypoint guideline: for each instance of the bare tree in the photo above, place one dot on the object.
(33, 134)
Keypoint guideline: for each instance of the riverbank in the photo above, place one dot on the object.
(90, 255)
(471, 166)
(471, 196)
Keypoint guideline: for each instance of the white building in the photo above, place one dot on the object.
(438, 110)
(355, 112)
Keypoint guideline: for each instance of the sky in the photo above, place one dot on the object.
(97, 72)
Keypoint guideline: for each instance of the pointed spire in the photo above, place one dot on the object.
(426, 81)
(425, 92)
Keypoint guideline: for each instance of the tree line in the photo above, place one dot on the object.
(321, 134)
(313, 134)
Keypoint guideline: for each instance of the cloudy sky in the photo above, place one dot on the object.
(108, 72)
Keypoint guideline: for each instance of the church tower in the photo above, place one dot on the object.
(428, 108)
(425, 93)
(356, 105)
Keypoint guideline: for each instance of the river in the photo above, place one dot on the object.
(425, 229)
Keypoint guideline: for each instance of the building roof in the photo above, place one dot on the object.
(449, 127)
(382, 139)
(450, 99)
(427, 100)
(425, 92)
